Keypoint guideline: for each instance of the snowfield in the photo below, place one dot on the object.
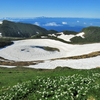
(28, 50)
(0, 22)
(68, 37)
(87, 63)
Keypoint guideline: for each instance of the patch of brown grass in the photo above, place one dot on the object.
(93, 54)
(91, 98)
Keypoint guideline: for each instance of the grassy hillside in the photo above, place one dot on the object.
(92, 34)
(52, 31)
(70, 32)
(12, 29)
(59, 84)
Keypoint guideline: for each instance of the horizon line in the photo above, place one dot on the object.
(47, 17)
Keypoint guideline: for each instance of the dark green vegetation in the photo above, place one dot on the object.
(92, 35)
(53, 31)
(5, 42)
(47, 48)
(58, 84)
(90, 55)
(50, 49)
(13, 29)
(70, 32)
(57, 39)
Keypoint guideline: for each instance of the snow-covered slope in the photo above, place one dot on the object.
(81, 34)
(87, 63)
(26, 50)
(68, 37)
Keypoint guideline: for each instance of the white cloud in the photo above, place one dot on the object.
(84, 23)
(78, 21)
(52, 24)
(64, 23)
(36, 23)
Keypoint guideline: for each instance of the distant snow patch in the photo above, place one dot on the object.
(81, 34)
(0, 34)
(1, 22)
(52, 35)
(37, 32)
(68, 37)
(65, 37)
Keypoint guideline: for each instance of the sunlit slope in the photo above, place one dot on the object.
(31, 49)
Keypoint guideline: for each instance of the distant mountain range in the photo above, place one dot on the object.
(58, 23)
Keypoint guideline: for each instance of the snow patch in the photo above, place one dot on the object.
(81, 34)
(87, 63)
(23, 50)
(37, 32)
(7, 66)
(66, 37)
(52, 35)
(0, 34)
(1, 22)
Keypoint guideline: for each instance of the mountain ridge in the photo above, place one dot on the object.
(17, 29)
(26, 30)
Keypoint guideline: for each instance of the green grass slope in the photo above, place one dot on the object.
(13, 29)
(92, 35)
(57, 84)
(69, 32)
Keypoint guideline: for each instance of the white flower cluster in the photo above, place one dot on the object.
(17, 91)
(75, 87)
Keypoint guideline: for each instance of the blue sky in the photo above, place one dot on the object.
(50, 8)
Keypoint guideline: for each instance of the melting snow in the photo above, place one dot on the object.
(27, 50)
(81, 34)
(0, 34)
(68, 37)
(23, 50)
(87, 63)
(0, 22)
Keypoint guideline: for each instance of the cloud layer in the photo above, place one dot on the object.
(52, 24)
